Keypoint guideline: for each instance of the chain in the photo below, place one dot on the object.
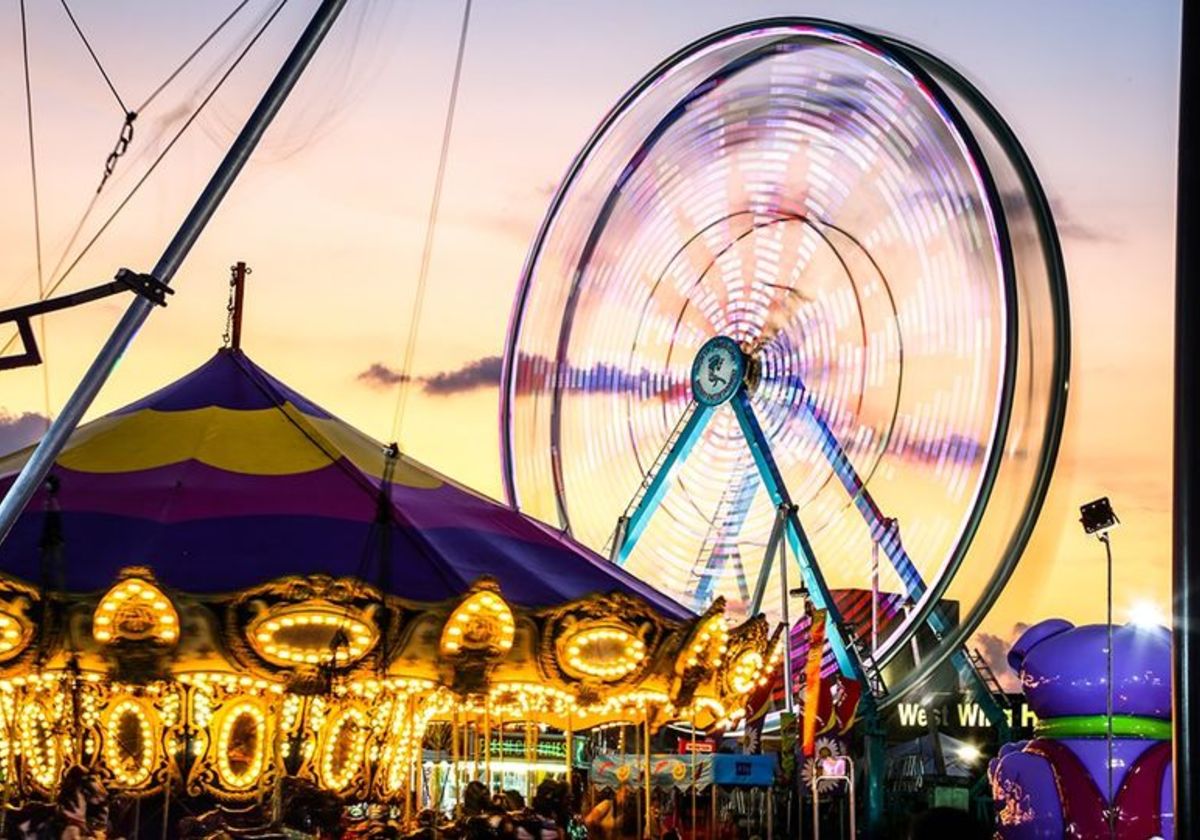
(122, 146)
(227, 336)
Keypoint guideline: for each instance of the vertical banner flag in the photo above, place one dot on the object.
(787, 746)
(812, 679)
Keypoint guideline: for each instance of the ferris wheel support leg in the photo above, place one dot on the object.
(886, 534)
(849, 664)
(822, 599)
(639, 517)
(814, 581)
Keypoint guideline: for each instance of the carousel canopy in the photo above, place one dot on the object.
(227, 478)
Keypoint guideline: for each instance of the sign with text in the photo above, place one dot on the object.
(699, 746)
(958, 714)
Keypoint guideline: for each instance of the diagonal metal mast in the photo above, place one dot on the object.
(39, 464)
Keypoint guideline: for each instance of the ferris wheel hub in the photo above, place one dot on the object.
(720, 369)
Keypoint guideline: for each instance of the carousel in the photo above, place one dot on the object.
(223, 587)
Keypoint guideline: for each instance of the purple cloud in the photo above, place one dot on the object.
(994, 650)
(19, 430)
(480, 373)
(379, 375)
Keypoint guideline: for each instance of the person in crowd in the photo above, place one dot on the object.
(475, 800)
(601, 821)
(550, 806)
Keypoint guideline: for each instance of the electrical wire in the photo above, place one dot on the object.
(94, 198)
(37, 215)
(95, 58)
(430, 228)
(191, 56)
(157, 160)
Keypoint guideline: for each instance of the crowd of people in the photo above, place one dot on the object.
(480, 816)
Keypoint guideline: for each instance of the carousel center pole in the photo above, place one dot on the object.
(40, 462)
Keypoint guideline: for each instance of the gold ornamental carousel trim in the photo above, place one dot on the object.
(16, 627)
(15, 632)
(135, 609)
(241, 750)
(747, 655)
(302, 622)
(343, 748)
(482, 622)
(41, 747)
(130, 748)
(601, 642)
(227, 715)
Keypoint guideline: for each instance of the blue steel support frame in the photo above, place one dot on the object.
(797, 539)
(640, 516)
(818, 593)
(814, 581)
(881, 531)
(888, 539)
(742, 498)
(773, 481)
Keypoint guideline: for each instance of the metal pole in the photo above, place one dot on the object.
(1110, 809)
(874, 597)
(42, 459)
(694, 773)
(166, 817)
(649, 820)
(789, 702)
(239, 295)
(1186, 565)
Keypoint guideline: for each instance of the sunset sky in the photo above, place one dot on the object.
(331, 213)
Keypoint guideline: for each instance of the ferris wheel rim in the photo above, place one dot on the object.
(792, 28)
(901, 55)
(1060, 377)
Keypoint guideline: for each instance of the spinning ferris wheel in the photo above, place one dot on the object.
(799, 274)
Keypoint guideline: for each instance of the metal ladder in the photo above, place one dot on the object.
(717, 549)
(618, 535)
(988, 677)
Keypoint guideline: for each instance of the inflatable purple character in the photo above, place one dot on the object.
(1055, 785)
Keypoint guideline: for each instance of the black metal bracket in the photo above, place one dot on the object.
(144, 285)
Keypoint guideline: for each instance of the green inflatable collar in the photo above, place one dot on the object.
(1096, 726)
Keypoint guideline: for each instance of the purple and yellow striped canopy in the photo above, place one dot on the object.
(227, 478)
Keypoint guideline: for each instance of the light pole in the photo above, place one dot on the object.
(789, 699)
(802, 593)
(1098, 518)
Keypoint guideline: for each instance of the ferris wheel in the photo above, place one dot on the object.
(800, 277)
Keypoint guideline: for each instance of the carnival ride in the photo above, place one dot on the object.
(800, 257)
(303, 607)
(795, 255)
